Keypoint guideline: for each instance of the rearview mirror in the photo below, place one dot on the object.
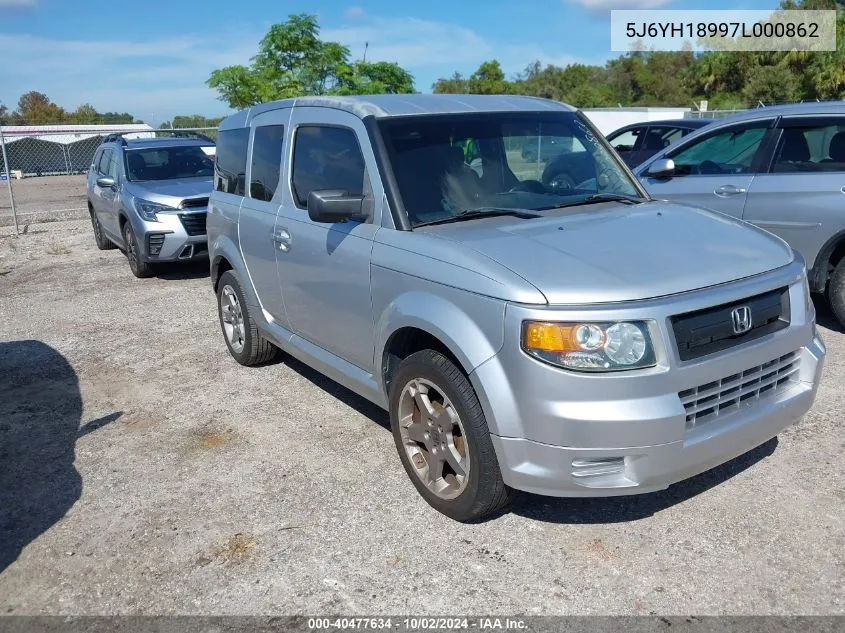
(661, 168)
(333, 205)
(105, 182)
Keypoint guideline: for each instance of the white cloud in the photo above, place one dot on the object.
(155, 79)
(354, 13)
(607, 5)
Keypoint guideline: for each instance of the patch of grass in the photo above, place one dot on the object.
(58, 249)
(237, 549)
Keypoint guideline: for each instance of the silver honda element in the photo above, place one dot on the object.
(568, 339)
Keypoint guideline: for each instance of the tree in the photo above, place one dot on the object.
(36, 108)
(489, 79)
(456, 84)
(86, 113)
(771, 84)
(292, 61)
(4, 114)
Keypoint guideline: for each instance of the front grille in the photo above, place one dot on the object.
(711, 330)
(194, 223)
(192, 203)
(720, 397)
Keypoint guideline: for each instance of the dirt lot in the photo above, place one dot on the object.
(143, 471)
(44, 197)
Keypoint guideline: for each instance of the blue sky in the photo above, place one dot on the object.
(152, 58)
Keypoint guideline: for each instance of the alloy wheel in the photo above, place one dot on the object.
(434, 439)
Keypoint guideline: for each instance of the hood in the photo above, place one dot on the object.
(171, 192)
(612, 252)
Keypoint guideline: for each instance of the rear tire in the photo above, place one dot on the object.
(442, 437)
(243, 339)
(836, 292)
(103, 243)
(139, 268)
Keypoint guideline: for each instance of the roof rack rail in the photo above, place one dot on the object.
(187, 134)
(114, 138)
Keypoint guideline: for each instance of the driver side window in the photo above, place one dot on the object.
(728, 152)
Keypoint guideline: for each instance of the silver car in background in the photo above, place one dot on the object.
(149, 197)
(568, 340)
(780, 168)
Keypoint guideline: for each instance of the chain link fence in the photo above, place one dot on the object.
(43, 168)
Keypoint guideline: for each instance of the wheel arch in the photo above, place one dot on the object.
(466, 334)
(828, 257)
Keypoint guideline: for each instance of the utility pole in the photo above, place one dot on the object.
(366, 46)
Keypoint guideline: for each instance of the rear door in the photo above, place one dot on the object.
(260, 209)
(714, 170)
(801, 198)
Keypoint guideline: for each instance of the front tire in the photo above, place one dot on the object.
(836, 292)
(243, 339)
(442, 437)
(139, 268)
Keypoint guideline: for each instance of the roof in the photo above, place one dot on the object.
(382, 106)
(814, 107)
(687, 123)
(67, 134)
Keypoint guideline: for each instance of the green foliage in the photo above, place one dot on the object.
(728, 80)
(293, 61)
(35, 108)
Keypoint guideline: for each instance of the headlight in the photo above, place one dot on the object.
(590, 346)
(148, 210)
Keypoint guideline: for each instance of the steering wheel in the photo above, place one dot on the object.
(561, 182)
(531, 186)
(709, 167)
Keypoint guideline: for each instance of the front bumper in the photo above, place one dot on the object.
(167, 240)
(562, 433)
(599, 472)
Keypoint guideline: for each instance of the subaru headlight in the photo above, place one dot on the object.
(611, 346)
(148, 210)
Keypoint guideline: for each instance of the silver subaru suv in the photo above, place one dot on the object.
(149, 198)
(569, 339)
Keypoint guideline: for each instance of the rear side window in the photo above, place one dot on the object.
(266, 161)
(326, 158)
(230, 173)
(815, 147)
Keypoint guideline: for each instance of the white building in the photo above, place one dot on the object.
(38, 150)
(608, 120)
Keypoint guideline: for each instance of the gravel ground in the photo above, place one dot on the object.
(142, 471)
(44, 197)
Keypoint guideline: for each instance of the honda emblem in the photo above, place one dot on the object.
(741, 319)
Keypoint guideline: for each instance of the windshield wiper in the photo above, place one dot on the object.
(480, 212)
(596, 198)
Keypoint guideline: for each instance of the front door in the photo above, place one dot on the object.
(324, 269)
(714, 171)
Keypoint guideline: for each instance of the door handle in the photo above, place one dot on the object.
(282, 239)
(726, 191)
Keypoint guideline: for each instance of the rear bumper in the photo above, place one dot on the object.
(611, 471)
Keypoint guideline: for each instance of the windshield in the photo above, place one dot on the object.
(168, 163)
(449, 165)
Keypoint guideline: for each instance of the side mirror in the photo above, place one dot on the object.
(333, 205)
(661, 168)
(106, 182)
